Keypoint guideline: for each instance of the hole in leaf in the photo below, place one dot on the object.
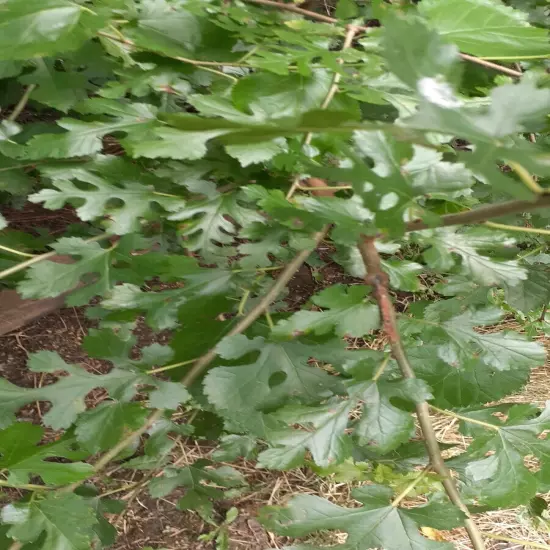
(389, 200)
(277, 378)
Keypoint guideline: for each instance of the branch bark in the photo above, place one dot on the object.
(484, 213)
(378, 279)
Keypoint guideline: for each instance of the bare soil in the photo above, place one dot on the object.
(157, 522)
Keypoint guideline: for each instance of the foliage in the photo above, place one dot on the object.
(183, 135)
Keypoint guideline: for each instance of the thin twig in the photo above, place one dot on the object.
(22, 103)
(327, 19)
(491, 65)
(484, 213)
(348, 40)
(295, 9)
(378, 279)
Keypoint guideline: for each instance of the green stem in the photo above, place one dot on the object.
(173, 366)
(381, 368)
(270, 268)
(242, 303)
(516, 57)
(25, 486)
(532, 252)
(465, 418)
(120, 489)
(18, 252)
(169, 195)
(518, 229)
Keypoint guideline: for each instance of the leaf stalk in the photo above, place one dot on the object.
(465, 418)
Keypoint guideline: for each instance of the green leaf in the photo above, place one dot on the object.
(486, 127)
(460, 342)
(480, 268)
(403, 274)
(59, 89)
(468, 382)
(383, 425)
(376, 523)
(102, 427)
(44, 27)
(85, 138)
(135, 201)
(48, 279)
(202, 483)
(493, 466)
(346, 9)
(531, 293)
(254, 153)
(424, 54)
(66, 520)
(176, 31)
(232, 446)
(162, 307)
(23, 457)
(267, 96)
(350, 218)
(486, 29)
(68, 393)
(215, 225)
(280, 371)
(347, 314)
(100, 268)
(321, 430)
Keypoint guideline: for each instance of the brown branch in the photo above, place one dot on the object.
(327, 19)
(491, 65)
(378, 279)
(484, 213)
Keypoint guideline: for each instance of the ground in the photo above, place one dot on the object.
(157, 522)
